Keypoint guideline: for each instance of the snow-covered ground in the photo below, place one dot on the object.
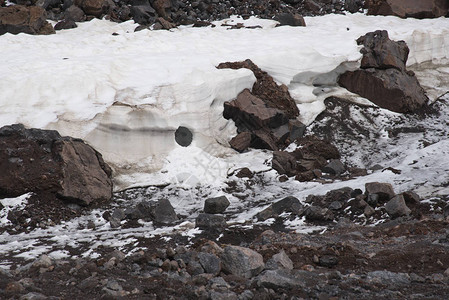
(126, 94)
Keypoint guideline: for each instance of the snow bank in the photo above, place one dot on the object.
(126, 94)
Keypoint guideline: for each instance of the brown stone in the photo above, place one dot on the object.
(17, 19)
(250, 112)
(41, 161)
(390, 89)
(96, 8)
(284, 163)
(241, 141)
(265, 88)
(408, 8)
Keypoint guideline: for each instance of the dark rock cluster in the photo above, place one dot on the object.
(382, 77)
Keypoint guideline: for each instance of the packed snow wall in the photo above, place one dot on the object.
(127, 93)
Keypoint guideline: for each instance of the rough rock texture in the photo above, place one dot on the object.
(43, 161)
(408, 8)
(383, 190)
(16, 19)
(383, 78)
(289, 19)
(265, 88)
(242, 261)
(216, 205)
(396, 207)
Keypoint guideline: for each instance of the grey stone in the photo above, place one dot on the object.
(384, 190)
(194, 268)
(335, 166)
(289, 19)
(210, 221)
(335, 205)
(210, 262)
(396, 207)
(42, 262)
(216, 205)
(222, 295)
(219, 283)
(164, 213)
(246, 295)
(390, 278)
(33, 296)
(242, 261)
(328, 261)
(183, 136)
(279, 261)
(411, 197)
(316, 213)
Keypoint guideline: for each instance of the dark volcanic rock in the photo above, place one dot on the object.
(210, 221)
(284, 163)
(75, 13)
(380, 52)
(216, 205)
(265, 88)
(164, 213)
(383, 78)
(251, 113)
(16, 19)
(408, 8)
(65, 24)
(396, 207)
(241, 141)
(43, 161)
(384, 191)
(183, 136)
(95, 8)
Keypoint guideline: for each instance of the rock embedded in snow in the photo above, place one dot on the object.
(210, 222)
(284, 163)
(290, 19)
(242, 261)
(17, 18)
(43, 161)
(216, 205)
(419, 9)
(383, 78)
(335, 166)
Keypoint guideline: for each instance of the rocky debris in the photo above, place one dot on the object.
(383, 78)
(160, 212)
(288, 204)
(241, 261)
(17, 18)
(41, 161)
(309, 160)
(266, 116)
(210, 222)
(216, 205)
(419, 9)
(384, 191)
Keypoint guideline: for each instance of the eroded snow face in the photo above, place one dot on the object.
(126, 94)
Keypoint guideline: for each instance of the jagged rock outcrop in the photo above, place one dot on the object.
(34, 160)
(16, 19)
(382, 77)
(408, 8)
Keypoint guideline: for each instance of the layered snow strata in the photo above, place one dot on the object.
(126, 94)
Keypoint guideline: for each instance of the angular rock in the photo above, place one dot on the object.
(241, 141)
(216, 205)
(75, 14)
(297, 129)
(317, 147)
(210, 263)
(384, 190)
(335, 166)
(411, 197)
(288, 204)
(210, 221)
(164, 213)
(251, 113)
(43, 161)
(284, 163)
(390, 89)
(396, 207)
(241, 261)
(290, 19)
(316, 213)
(380, 52)
(17, 18)
(383, 78)
(419, 9)
(143, 14)
(353, 6)
(265, 88)
(279, 261)
(162, 7)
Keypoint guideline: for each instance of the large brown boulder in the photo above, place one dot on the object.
(17, 19)
(41, 161)
(408, 8)
(383, 78)
(96, 8)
